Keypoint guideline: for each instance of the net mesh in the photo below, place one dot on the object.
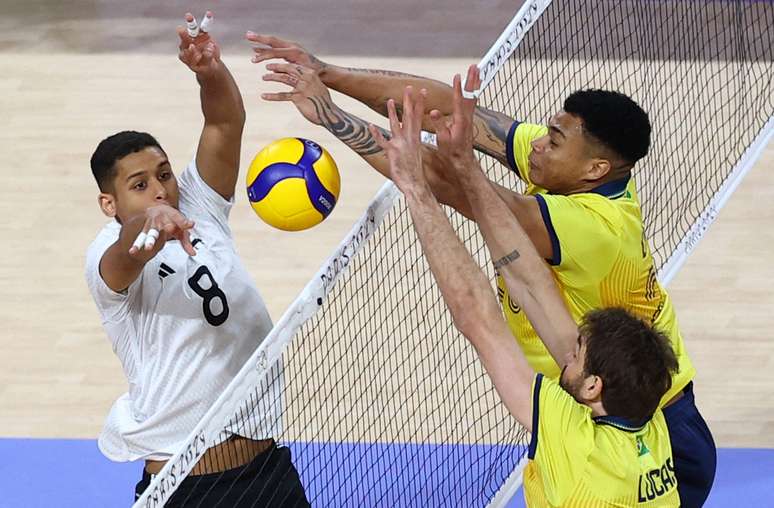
(384, 404)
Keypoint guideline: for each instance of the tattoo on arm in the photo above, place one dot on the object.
(495, 128)
(507, 259)
(393, 74)
(348, 128)
(316, 61)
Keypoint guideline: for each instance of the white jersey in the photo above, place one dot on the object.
(182, 331)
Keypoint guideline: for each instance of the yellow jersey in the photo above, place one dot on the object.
(580, 461)
(601, 258)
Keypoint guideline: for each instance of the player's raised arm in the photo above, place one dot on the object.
(514, 255)
(313, 100)
(464, 286)
(374, 87)
(217, 157)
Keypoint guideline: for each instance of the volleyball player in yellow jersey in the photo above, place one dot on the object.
(581, 209)
(598, 437)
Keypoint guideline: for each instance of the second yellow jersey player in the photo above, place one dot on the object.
(601, 259)
(581, 461)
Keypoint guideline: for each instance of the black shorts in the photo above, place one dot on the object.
(269, 481)
(693, 450)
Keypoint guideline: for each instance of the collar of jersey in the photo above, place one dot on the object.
(613, 189)
(621, 423)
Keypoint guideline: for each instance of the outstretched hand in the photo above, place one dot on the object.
(291, 52)
(404, 148)
(198, 50)
(308, 93)
(454, 134)
(161, 223)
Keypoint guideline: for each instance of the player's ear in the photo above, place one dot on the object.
(599, 168)
(592, 388)
(107, 203)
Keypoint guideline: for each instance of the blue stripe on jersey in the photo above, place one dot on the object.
(557, 252)
(535, 418)
(613, 189)
(509, 149)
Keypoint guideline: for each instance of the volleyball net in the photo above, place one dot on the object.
(383, 403)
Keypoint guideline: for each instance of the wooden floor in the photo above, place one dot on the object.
(61, 92)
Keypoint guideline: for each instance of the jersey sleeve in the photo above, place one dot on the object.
(562, 434)
(112, 306)
(200, 201)
(585, 233)
(519, 145)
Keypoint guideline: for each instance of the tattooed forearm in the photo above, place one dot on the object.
(321, 66)
(491, 132)
(496, 123)
(507, 259)
(350, 129)
(392, 74)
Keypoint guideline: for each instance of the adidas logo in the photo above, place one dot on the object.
(165, 270)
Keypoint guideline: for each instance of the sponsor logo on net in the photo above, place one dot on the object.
(347, 251)
(703, 223)
(180, 469)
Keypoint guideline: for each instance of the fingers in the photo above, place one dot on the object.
(457, 98)
(158, 227)
(206, 25)
(392, 114)
(150, 238)
(185, 241)
(287, 79)
(185, 40)
(294, 69)
(194, 56)
(440, 125)
(138, 243)
(192, 27)
(262, 54)
(278, 96)
(376, 132)
(418, 112)
(473, 81)
(413, 111)
(408, 104)
(269, 40)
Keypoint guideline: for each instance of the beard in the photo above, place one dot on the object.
(571, 386)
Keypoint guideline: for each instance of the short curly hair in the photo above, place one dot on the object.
(113, 148)
(614, 120)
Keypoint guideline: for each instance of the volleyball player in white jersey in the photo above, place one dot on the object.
(178, 305)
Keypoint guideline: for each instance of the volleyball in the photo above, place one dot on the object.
(293, 184)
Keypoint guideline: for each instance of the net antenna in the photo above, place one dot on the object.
(383, 403)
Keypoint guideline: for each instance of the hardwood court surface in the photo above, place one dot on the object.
(75, 72)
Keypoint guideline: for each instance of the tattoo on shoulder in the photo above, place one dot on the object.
(507, 259)
(348, 128)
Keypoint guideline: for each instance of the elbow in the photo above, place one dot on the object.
(468, 315)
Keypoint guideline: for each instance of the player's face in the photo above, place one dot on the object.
(561, 160)
(572, 376)
(143, 179)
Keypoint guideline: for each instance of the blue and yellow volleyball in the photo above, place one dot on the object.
(293, 184)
